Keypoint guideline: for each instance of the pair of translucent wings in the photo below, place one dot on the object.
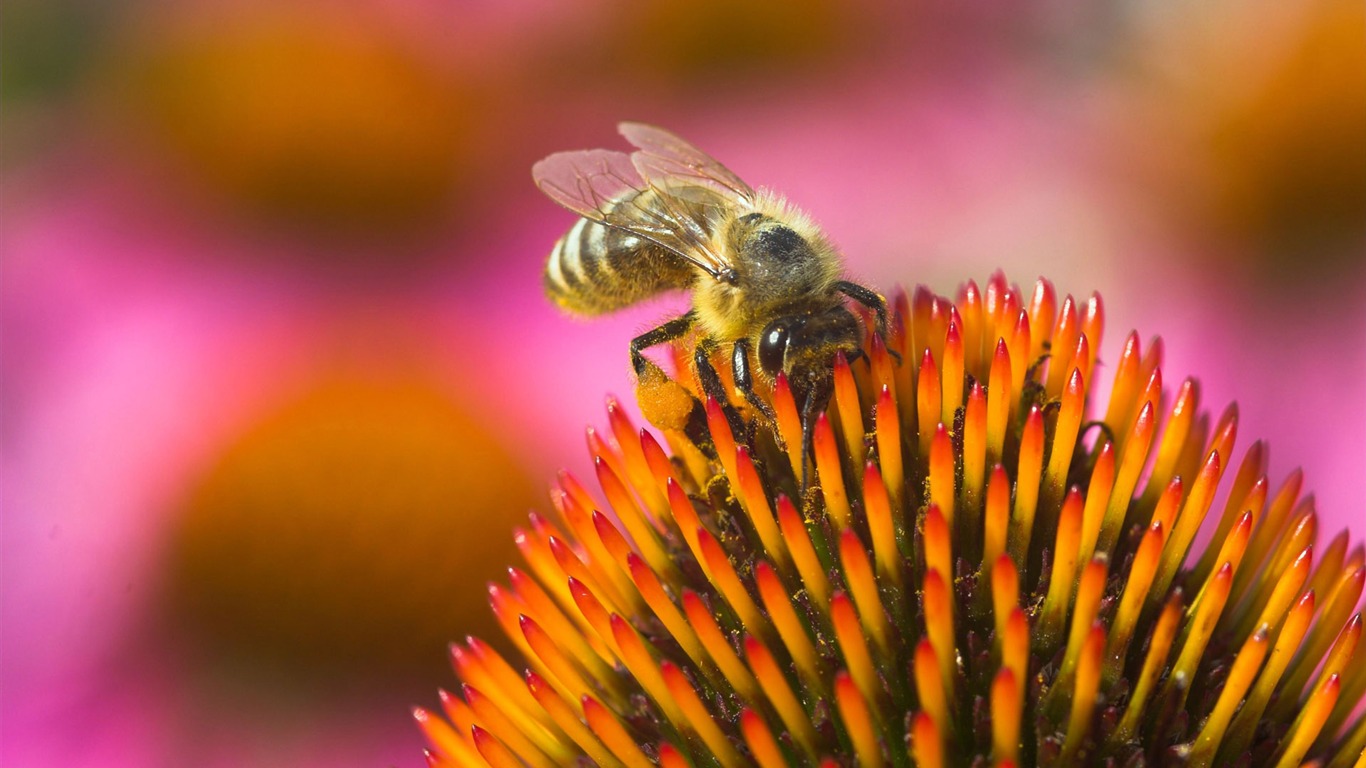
(609, 187)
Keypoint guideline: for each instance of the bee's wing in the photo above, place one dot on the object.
(665, 159)
(605, 186)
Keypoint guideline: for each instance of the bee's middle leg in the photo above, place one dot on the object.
(714, 387)
(744, 380)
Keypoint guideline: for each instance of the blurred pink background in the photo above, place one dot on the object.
(279, 379)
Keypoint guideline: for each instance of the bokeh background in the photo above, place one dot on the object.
(278, 378)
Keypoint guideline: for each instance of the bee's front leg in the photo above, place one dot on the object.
(714, 387)
(867, 298)
(744, 381)
(872, 300)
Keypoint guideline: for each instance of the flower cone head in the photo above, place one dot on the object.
(972, 563)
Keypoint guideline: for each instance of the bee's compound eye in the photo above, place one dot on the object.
(773, 348)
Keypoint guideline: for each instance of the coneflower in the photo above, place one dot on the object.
(981, 572)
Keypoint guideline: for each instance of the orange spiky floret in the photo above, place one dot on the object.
(975, 571)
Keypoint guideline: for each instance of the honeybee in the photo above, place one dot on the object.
(762, 277)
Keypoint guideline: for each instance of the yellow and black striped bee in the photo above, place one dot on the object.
(762, 277)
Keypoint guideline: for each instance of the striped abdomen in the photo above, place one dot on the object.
(595, 269)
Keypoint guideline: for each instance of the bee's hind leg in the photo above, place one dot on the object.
(675, 329)
(663, 401)
(744, 380)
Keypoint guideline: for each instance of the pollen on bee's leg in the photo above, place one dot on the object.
(664, 402)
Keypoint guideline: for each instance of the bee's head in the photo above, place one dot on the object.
(803, 346)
